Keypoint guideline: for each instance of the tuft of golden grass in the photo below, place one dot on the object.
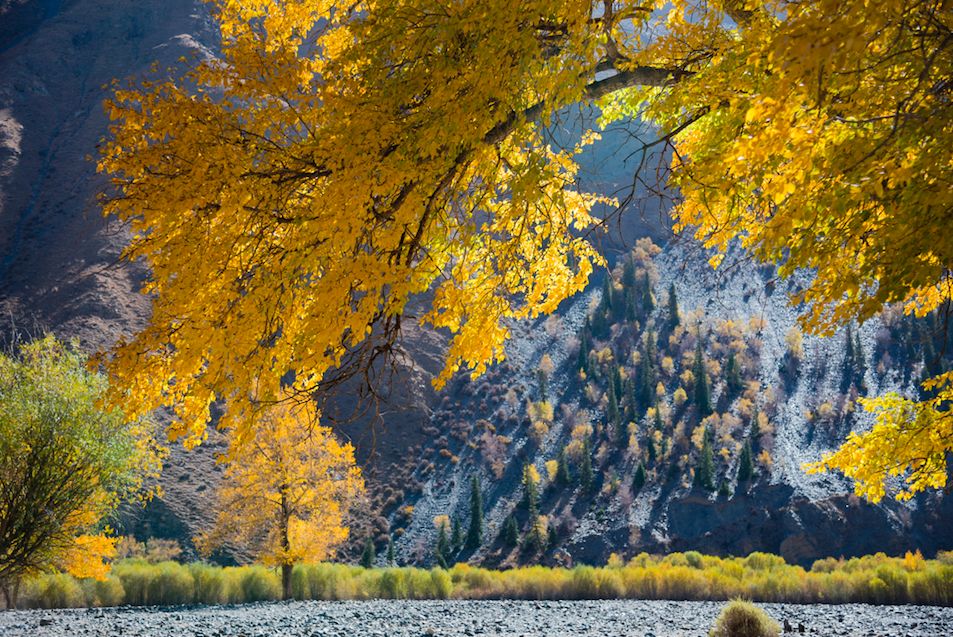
(740, 618)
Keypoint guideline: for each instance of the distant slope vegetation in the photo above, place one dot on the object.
(671, 408)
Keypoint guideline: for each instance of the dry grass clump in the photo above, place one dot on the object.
(743, 619)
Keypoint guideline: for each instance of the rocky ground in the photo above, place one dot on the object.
(458, 618)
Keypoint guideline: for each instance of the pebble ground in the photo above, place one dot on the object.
(387, 618)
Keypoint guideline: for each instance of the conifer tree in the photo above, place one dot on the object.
(622, 434)
(723, 490)
(930, 359)
(552, 538)
(585, 345)
(535, 540)
(442, 552)
(860, 364)
(456, 538)
(745, 463)
(613, 418)
(650, 449)
(733, 382)
(702, 389)
(650, 350)
(625, 399)
(648, 303)
(562, 469)
(511, 532)
(673, 318)
(628, 273)
(705, 471)
(616, 381)
(608, 301)
(849, 368)
(543, 380)
(633, 386)
(638, 481)
(631, 308)
(368, 556)
(585, 467)
(530, 491)
(391, 560)
(645, 384)
(475, 532)
(600, 323)
(755, 437)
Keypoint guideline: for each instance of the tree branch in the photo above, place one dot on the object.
(639, 76)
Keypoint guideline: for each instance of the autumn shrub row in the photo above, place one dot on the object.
(716, 579)
(875, 579)
(140, 583)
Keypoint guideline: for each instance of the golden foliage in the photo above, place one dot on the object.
(89, 556)
(286, 490)
(909, 439)
(538, 430)
(541, 411)
(289, 198)
(814, 135)
(546, 364)
(292, 197)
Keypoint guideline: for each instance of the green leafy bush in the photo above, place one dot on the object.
(135, 576)
(107, 592)
(254, 584)
(442, 584)
(208, 583)
(56, 590)
(170, 584)
(392, 584)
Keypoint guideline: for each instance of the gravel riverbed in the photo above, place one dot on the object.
(465, 618)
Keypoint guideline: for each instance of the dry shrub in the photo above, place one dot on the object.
(744, 619)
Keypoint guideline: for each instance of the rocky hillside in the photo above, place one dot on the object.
(672, 408)
(608, 396)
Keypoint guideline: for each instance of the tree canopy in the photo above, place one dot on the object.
(340, 160)
(286, 492)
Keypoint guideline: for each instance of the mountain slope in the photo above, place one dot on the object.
(800, 390)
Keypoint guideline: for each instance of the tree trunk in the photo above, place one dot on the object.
(286, 546)
(10, 596)
(286, 580)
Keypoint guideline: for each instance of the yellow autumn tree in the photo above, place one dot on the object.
(342, 158)
(286, 491)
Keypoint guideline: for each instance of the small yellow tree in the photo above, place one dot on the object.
(286, 492)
